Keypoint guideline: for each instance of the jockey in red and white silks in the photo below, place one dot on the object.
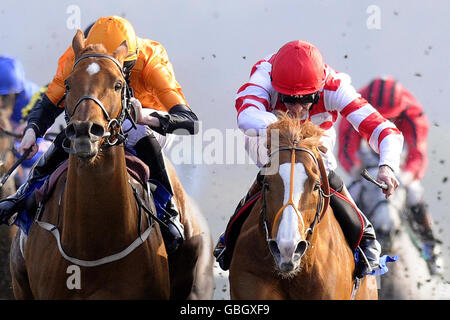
(296, 80)
(257, 99)
(395, 102)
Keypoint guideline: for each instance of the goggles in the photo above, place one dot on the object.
(292, 100)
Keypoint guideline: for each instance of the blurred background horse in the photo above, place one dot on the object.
(7, 159)
(409, 277)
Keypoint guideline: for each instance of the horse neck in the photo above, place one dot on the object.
(327, 237)
(98, 198)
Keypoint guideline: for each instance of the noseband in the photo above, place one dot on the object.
(324, 194)
(114, 133)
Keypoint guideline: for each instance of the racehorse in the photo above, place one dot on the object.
(291, 245)
(93, 238)
(409, 277)
(9, 187)
(6, 146)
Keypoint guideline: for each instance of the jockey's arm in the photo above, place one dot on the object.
(253, 121)
(42, 116)
(390, 148)
(381, 134)
(160, 80)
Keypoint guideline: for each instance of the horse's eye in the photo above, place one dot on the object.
(316, 186)
(118, 86)
(66, 84)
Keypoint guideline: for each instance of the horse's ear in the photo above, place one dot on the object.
(78, 43)
(121, 51)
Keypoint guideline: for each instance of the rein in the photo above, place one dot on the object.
(114, 124)
(142, 237)
(324, 192)
(13, 134)
(114, 133)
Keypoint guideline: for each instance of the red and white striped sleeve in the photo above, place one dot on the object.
(381, 134)
(253, 99)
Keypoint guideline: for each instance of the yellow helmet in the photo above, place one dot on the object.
(111, 32)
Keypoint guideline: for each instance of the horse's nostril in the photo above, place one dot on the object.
(97, 130)
(70, 131)
(273, 246)
(301, 247)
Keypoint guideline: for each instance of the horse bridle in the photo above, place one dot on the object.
(324, 194)
(114, 133)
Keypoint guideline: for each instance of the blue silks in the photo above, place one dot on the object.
(161, 197)
(24, 218)
(22, 99)
(382, 269)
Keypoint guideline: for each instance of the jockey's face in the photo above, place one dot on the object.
(299, 105)
(298, 109)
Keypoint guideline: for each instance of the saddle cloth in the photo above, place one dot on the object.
(43, 188)
(346, 213)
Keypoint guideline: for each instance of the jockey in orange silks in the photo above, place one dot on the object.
(158, 102)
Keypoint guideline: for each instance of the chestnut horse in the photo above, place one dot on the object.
(291, 245)
(91, 240)
(6, 161)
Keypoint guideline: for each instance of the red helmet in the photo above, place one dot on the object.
(298, 69)
(384, 94)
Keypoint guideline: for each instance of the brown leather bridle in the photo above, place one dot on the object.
(114, 134)
(324, 194)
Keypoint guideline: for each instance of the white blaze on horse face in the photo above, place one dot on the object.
(288, 235)
(93, 68)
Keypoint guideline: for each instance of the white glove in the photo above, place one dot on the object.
(386, 175)
(29, 141)
(142, 117)
(137, 108)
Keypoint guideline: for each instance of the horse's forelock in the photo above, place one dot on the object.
(294, 132)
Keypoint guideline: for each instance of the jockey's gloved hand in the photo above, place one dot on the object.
(386, 175)
(141, 116)
(137, 110)
(180, 118)
(29, 141)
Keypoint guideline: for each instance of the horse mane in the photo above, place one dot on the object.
(295, 132)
